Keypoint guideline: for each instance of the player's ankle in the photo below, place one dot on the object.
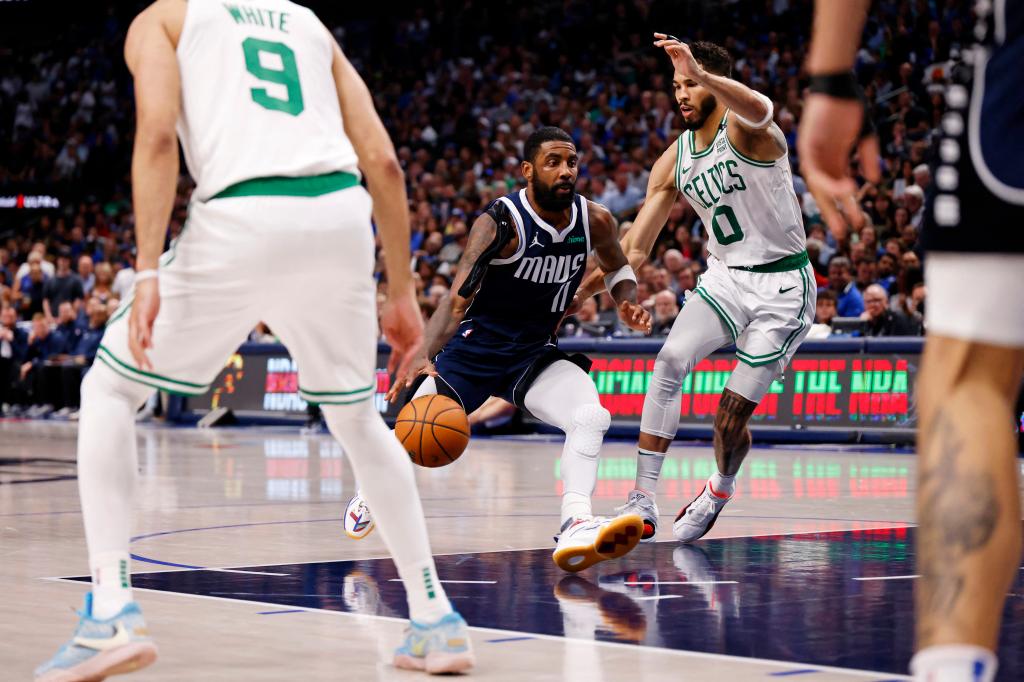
(954, 663)
(721, 485)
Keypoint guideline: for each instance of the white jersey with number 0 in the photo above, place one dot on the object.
(748, 207)
(258, 96)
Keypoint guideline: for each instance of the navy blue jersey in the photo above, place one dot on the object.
(977, 199)
(523, 298)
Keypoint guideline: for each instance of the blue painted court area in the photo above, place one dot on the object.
(840, 599)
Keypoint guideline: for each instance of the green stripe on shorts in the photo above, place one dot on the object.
(149, 378)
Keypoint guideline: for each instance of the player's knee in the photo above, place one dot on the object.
(673, 363)
(589, 424)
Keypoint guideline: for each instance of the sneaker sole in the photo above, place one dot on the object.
(119, 661)
(361, 535)
(440, 663)
(711, 525)
(616, 539)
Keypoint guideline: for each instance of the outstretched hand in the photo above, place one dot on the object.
(635, 316)
(682, 58)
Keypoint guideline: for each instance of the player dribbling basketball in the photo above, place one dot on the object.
(494, 333)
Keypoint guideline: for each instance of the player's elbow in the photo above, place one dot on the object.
(156, 140)
(383, 165)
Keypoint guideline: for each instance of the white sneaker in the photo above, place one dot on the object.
(642, 504)
(358, 519)
(584, 542)
(697, 518)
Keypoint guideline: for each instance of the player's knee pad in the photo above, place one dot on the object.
(589, 424)
(102, 381)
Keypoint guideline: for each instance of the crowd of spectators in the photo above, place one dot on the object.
(460, 86)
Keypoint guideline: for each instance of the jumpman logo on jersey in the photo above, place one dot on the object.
(535, 242)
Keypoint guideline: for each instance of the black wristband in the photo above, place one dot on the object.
(841, 85)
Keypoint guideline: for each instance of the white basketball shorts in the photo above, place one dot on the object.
(301, 264)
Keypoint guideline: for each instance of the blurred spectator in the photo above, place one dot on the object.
(620, 197)
(67, 330)
(824, 312)
(63, 286)
(33, 289)
(13, 350)
(86, 272)
(103, 288)
(125, 278)
(881, 321)
(42, 345)
(866, 273)
(586, 322)
(913, 201)
(666, 308)
(849, 302)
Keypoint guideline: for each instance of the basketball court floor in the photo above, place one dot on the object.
(245, 573)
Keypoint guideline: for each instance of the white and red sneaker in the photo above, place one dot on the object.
(585, 541)
(698, 517)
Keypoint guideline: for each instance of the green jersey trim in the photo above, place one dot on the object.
(767, 358)
(280, 186)
(747, 159)
(795, 261)
(729, 324)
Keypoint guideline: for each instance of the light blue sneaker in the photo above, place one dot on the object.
(100, 648)
(443, 647)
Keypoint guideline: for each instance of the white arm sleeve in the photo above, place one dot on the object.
(764, 122)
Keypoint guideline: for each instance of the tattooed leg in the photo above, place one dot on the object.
(732, 437)
(968, 500)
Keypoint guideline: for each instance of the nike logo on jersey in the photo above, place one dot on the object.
(120, 638)
(782, 291)
(535, 242)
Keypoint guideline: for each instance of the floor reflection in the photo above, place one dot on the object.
(799, 598)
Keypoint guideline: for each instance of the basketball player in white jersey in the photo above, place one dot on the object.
(276, 125)
(968, 501)
(731, 164)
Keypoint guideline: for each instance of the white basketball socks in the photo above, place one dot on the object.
(107, 468)
(111, 583)
(722, 485)
(386, 482)
(954, 663)
(648, 470)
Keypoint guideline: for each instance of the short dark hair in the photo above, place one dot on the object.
(540, 136)
(713, 58)
(827, 295)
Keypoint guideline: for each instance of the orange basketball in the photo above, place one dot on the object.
(433, 429)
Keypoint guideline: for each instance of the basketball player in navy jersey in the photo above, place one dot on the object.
(968, 499)
(494, 333)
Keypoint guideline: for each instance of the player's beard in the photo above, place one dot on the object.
(548, 197)
(705, 110)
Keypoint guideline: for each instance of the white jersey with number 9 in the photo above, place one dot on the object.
(258, 95)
